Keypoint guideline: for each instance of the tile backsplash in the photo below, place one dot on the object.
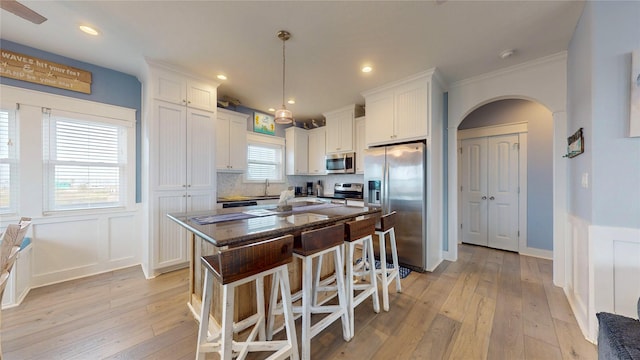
(231, 184)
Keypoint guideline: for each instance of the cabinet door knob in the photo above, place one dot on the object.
(492, 198)
(184, 100)
(484, 198)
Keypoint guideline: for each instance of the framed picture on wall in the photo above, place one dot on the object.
(263, 123)
(634, 113)
(575, 145)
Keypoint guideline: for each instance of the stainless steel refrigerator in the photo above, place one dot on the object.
(394, 178)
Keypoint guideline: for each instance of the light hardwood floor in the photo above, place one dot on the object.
(489, 304)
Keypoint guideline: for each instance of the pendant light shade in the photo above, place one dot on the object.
(283, 116)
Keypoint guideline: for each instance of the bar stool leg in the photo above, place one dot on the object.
(342, 297)
(394, 252)
(307, 279)
(203, 330)
(349, 287)
(373, 277)
(260, 305)
(383, 271)
(226, 345)
(273, 302)
(290, 326)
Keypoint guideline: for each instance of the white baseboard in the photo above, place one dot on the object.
(539, 253)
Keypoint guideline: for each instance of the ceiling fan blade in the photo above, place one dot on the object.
(24, 12)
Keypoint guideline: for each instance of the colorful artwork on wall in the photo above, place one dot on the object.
(264, 124)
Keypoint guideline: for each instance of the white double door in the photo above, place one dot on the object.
(490, 191)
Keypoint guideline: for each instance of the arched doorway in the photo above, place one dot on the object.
(505, 163)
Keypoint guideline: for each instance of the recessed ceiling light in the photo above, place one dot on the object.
(271, 109)
(89, 30)
(506, 53)
(291, 101)
(221, 77)
(367, 69)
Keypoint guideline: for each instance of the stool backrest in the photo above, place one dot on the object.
(243, 261)
(360, 228)
(388, 221)
(313, 241)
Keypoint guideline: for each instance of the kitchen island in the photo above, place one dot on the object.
(214, 230)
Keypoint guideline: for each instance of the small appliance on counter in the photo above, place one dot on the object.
(319, 189)
(309, 188)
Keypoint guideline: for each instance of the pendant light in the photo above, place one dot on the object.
(283, 116)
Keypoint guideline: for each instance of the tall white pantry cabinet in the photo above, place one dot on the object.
(179, 131)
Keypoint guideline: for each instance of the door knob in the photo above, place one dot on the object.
(492, 198)
(484, 198)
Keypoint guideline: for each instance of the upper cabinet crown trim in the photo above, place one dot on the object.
(160, 65)
(357, 109)
(431, 74)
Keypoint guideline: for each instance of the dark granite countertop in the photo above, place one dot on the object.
(243, 231)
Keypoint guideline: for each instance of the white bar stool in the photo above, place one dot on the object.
(360, 232)
(314, 244)
(386, 276)
(237, 266)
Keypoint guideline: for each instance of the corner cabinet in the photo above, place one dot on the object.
(361, 144)
(401, 111)
(340, 126)
(178, 162)
(231, 141)
(317, 142)
(297, 151)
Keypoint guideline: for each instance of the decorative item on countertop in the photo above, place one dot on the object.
(285, 196)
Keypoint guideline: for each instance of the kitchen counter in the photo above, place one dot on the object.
(243, 231)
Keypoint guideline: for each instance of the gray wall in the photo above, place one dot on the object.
(539, 160)
(599, 82)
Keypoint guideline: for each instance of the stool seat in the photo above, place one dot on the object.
(234, 267)
(314, 244)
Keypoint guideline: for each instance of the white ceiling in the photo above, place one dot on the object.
(330, 41)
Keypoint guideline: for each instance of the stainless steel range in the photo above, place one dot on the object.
(347, 190)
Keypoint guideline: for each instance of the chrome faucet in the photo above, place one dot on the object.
(266, 186)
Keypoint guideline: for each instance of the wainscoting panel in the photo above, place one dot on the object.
(577, 265)
(616, 261)
(65, 248)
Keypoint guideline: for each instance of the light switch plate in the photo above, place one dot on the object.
(585, 180)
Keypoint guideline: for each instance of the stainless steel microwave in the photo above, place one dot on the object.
(344, 163)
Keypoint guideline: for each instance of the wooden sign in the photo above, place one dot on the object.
(31, 69)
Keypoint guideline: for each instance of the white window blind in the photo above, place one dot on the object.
(85, 163)
(265, 160)
(8, 162)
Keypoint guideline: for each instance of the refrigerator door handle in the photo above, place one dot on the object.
(385, 186)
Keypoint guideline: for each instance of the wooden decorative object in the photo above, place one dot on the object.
(31, 69)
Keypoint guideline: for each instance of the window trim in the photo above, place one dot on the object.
(12, 160)
(50, 120)
(266, 140)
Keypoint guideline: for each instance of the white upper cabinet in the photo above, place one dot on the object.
(297, 151)
(340, 128)
(317, 151)
(361, 144)
(179, 89)
(401, 111)
(231, 141)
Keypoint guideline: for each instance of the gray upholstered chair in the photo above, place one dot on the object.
(618, 336)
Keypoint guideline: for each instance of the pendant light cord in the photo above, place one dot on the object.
(283, 72)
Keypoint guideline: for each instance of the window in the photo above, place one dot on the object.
(85, 161)
(265, 158)
(8, 162)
